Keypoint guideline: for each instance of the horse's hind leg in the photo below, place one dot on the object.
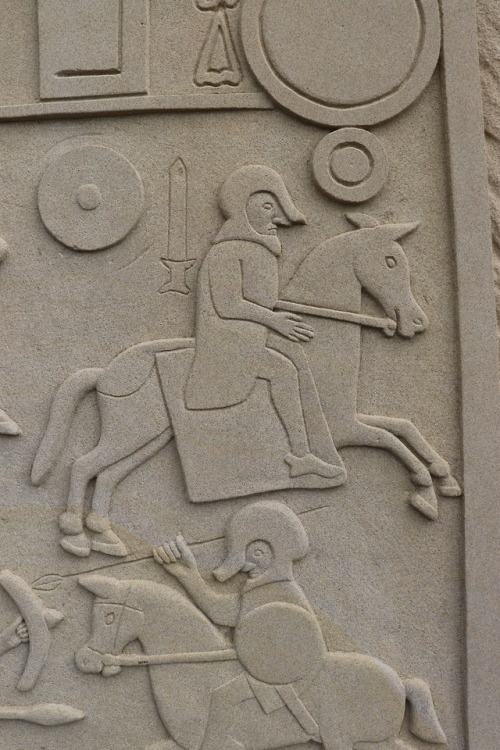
(106, 540)
(83, 470)
(438, 466)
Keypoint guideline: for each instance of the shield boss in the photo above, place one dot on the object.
(279, 643)
(90, 198)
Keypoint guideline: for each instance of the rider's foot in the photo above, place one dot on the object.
(105, 540)
(310, 464)
(109, 543)
(7, 425)
(76, 544)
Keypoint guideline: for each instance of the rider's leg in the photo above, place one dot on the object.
(283, 380)
(320, 439)
(222, 712)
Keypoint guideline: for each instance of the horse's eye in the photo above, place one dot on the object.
(110, 618)
(268, 206)
(390, 261)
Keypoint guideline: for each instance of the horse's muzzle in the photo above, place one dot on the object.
(89, 661)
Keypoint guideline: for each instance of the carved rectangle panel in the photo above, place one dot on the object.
(93, 48)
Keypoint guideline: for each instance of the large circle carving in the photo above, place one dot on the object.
(342, 62)
(90, 198)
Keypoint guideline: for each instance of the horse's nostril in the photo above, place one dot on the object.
(418, 322)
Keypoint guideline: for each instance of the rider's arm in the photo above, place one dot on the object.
(176, 558)
(226, 287)
(221, 609)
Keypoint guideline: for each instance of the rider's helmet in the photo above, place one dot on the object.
(269, 521)
(248, 180)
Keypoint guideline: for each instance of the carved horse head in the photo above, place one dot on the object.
(115, 622)
(333, 274)
(383, 271)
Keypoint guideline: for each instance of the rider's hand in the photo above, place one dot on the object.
(292, 327)
(22, 632)
(175, 556)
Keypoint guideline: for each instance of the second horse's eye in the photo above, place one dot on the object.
(391, 261)
(110, 618)
(268, 206)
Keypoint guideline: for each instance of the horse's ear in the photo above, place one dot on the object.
(362, 221)
(398, 231)
(104, 586)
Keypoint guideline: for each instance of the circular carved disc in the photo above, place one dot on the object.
(350, 165)
(90, 198)
(279, 643)
(340, 62)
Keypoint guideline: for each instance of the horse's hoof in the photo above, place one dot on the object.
(449, 487)
(421, 478)
(70, 523)
(109, 543)
(77, 544)
(427, 507)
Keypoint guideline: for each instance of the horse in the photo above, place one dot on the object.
(135, 424)
(353, 697)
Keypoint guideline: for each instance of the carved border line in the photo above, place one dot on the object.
(128, 104)
(479, 368)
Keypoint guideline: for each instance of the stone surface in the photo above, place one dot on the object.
(250, 425)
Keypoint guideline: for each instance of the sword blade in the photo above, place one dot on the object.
(177, 225)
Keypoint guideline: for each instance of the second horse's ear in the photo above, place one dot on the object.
(105, 587)
(362, 221)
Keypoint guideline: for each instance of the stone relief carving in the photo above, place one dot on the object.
(90, 197)
(250, 691)
(248, 399)
(350, 165)
(7, 424)
(177, 262)
(218, 64)
(245, 354)
(93, 48)
(281, 42)
(32, 627)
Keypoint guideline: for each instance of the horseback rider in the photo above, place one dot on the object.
(239, 336)
(276, 635)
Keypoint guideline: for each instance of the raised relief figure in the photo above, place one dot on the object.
(279, 685)
(250, 412)
(238, 286)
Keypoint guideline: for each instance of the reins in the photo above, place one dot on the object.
(359, 319)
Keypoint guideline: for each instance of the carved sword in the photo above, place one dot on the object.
(177, 261)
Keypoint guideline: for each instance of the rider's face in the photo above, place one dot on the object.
(258, 558)
(265, 213)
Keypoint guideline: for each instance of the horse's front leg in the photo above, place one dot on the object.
(438, 466)
(424, 499)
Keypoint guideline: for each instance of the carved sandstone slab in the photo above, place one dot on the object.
(250, 423)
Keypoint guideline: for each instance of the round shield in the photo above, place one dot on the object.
(350, 165)
(90, 198)
(279, 643)
(342, 63)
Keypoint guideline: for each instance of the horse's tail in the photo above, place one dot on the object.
(424, 722)
(62, 411)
